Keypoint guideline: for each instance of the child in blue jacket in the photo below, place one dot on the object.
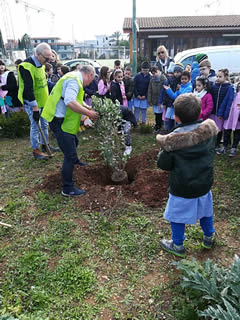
(141, 82)
(223, 94)
(173, 80)
(185, 87)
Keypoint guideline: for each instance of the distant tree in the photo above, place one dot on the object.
(124, 43)
(83, 55)
(26, 42)
(2, 47)
(116, 35)
(19, 45)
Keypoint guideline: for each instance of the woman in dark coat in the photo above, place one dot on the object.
(162, 59)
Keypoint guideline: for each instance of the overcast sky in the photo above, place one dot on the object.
(82, 19)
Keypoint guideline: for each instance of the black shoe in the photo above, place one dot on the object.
(44, 149)
(208, 242)
(156, 130)
(75, 192)
(80, 163)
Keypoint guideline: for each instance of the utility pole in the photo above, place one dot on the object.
(134, 39)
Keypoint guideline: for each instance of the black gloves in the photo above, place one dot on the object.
(36, 116)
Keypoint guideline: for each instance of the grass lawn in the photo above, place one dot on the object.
(59, 262)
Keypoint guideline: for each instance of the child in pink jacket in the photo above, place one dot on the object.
(202, 90)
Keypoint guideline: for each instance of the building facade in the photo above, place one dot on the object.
(182, 33)
(65, 50)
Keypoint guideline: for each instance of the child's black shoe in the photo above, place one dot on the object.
(208, 241)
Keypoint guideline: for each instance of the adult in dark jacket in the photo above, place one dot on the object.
(33, 91)
(162, 59)
(9, 84)
(188, 153)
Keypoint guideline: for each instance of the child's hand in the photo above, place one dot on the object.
(159, 107)
(139, 97)
(166, 87)
(178, 87)
(143, 97)
(220, 118)
(124, 97)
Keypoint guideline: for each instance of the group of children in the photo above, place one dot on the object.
(206, 108)
(151, 87)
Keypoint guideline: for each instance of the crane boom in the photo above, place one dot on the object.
(28, 6)
(39, 9)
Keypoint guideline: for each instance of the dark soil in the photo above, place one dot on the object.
(146, 183)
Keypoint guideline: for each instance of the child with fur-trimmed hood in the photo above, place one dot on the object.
(188, 153)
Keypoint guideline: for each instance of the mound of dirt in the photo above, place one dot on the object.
(146, 183)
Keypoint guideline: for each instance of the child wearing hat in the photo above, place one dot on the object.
(205, 70)
(200, 57)
(195, 72)
(173, 81)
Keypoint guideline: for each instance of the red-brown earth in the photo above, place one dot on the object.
(146, 184)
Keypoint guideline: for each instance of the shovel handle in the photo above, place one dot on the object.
(44, 139)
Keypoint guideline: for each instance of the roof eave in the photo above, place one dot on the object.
(183, 29)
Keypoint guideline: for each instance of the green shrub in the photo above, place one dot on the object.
(17, 125)
(219, 287)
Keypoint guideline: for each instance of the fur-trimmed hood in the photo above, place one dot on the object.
(176, 141)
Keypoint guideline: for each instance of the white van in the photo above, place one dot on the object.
(220, 57)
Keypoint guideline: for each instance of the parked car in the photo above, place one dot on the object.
(72, 63)
(220, 57)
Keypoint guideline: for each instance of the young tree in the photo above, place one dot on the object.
(2, 47)
(26, 41)
(111, 137)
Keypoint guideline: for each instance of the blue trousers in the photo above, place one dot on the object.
(178, 230)
(143, 114)
(34, 131)
(68, 144)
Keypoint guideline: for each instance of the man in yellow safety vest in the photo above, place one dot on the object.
(33, 93)
(63, 111)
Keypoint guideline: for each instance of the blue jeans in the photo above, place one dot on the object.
(68, 144)
(178, 230)
(143, 114)
(169, 124)
(34, 131)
